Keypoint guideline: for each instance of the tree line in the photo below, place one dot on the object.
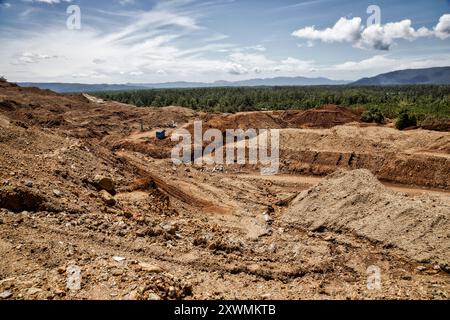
(390, 100)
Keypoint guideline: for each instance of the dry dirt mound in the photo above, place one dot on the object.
(76, 116)
(325, 117)
(443, 126)
(153, 147)
(243, 120)
(356, 202)
(167, 116)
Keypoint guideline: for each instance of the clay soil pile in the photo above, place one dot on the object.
(325, 117)
(356, 202)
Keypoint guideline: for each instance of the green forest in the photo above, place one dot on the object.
(390, 101)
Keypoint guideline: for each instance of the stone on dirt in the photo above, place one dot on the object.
(154, 297)
(6, 294)
(107, 198)
(118, 258)
(33, 291)
(151, 268)
(104, 183)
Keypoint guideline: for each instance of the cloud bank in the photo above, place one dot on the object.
(378, 37)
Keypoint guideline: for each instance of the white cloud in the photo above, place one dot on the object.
(250, 59)
(382, 64)
(296, 65)
(48, 1)
(236, 69)
(136, 73)
(89, 75)
(366, 64)
(308, 44)
(31, 57)
(343, 31)
(442, 29)
(142, 45)
(383, 37)
(126, 2)
(257, 63)
(379, 37)
(259, 48)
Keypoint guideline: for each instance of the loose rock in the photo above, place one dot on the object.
(107, 198)
(150, 268)
(154, 297)
(33, 291)
(118, 259)
(6, 294)
(104, 183)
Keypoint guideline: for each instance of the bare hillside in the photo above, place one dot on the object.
(85, 183)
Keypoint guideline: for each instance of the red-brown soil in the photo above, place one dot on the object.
(325, 117)
(213, 232)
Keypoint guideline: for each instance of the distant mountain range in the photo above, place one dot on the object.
(440, 75)
(280, 81)
(80, 87)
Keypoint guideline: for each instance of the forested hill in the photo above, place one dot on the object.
(439, 75)
(418, 99)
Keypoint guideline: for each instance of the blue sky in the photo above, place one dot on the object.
(138, 41)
